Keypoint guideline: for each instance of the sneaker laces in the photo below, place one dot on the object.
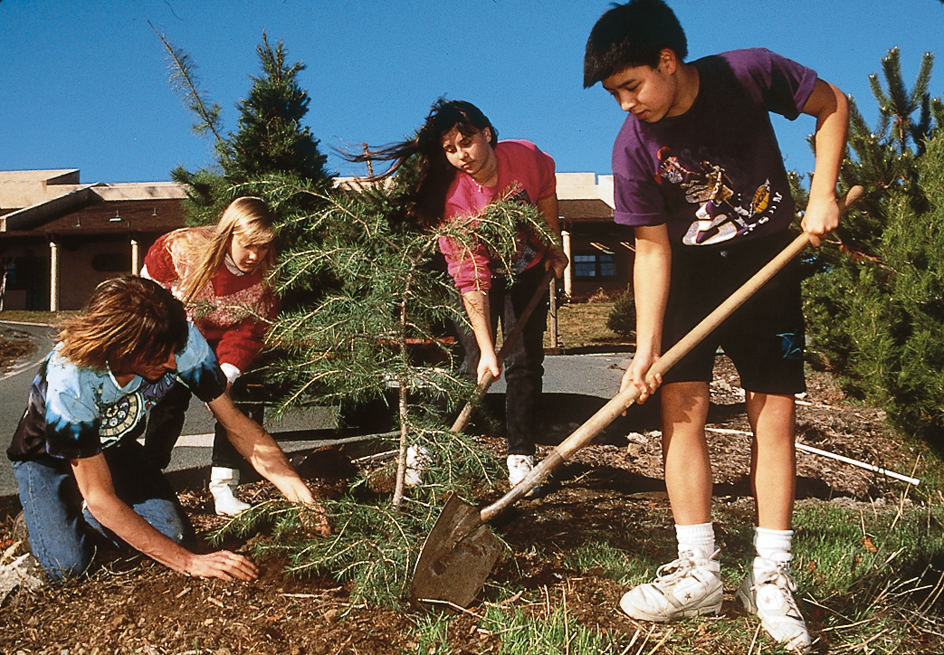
(679, 568)
(674, 570)
(781, 576)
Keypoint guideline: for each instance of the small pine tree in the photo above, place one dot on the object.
(355, 343)
(271, 137)
(622, 317)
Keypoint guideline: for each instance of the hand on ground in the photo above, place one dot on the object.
(222, 564)
(315, 519)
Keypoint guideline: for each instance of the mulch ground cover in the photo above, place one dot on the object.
(612, 488)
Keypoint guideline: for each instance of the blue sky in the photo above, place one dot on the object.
(84, 84)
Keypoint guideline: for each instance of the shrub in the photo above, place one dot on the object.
(622, 318)
(879, 322)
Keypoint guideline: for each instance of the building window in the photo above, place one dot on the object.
(598, 265)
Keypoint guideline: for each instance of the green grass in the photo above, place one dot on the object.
(584, 324)
(42, 318)
(871, 578)
(870, 581)
(544, 628)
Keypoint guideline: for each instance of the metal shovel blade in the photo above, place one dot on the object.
(456, 558)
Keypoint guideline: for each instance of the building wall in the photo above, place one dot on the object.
(85, 264)
(27, 284)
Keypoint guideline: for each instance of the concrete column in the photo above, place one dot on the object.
(53, 276)
(569, 271)
(135, 256)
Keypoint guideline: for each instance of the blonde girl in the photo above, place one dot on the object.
(220, 273)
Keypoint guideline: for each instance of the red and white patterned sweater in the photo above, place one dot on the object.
(226, 310)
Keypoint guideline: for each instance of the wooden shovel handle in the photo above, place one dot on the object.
(618, 404)
(463, 419)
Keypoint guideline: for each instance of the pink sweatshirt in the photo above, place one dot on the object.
(519, 162)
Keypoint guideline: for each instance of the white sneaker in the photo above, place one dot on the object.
(223, 482)
(767, 591)
(688, 586)
(518, 468)
(418, 460)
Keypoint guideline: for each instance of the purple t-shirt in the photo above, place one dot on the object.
(714, 173)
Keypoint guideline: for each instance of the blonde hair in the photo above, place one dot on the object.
(248, 217)
(128, 319)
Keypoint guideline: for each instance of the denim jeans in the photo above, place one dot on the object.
(63, 534)
(524, 366)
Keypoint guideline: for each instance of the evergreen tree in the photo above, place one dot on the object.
(271, 137)
(874, 303)
(271, 140)
(183, 79)
(357, 341)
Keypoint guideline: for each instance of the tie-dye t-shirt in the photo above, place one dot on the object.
(75, 412)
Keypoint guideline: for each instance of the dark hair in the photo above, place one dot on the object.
(128, 319)
(631, 35)
(435, 174)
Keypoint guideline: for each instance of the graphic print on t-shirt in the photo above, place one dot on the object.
(722, 213)
(526, 251)
(120, 417)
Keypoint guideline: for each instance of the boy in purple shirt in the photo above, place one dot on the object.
(699, 176)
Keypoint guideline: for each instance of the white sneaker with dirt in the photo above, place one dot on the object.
(418, 460)
(688, 586)
(767, 591)
(518, 468)
(223, 482)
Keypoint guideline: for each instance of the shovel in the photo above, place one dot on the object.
(460, 551)
(463, 419)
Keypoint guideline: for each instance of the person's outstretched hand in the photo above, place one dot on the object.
(222, 564)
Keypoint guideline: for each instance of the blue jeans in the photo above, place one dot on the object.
(63, 534)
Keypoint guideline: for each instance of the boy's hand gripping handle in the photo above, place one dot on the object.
(621, 401)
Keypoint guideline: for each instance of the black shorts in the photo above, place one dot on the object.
(764, 337)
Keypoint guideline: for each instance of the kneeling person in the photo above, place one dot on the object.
(76, 459)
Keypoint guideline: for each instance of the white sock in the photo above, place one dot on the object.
(698, 538)
(773, 544)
